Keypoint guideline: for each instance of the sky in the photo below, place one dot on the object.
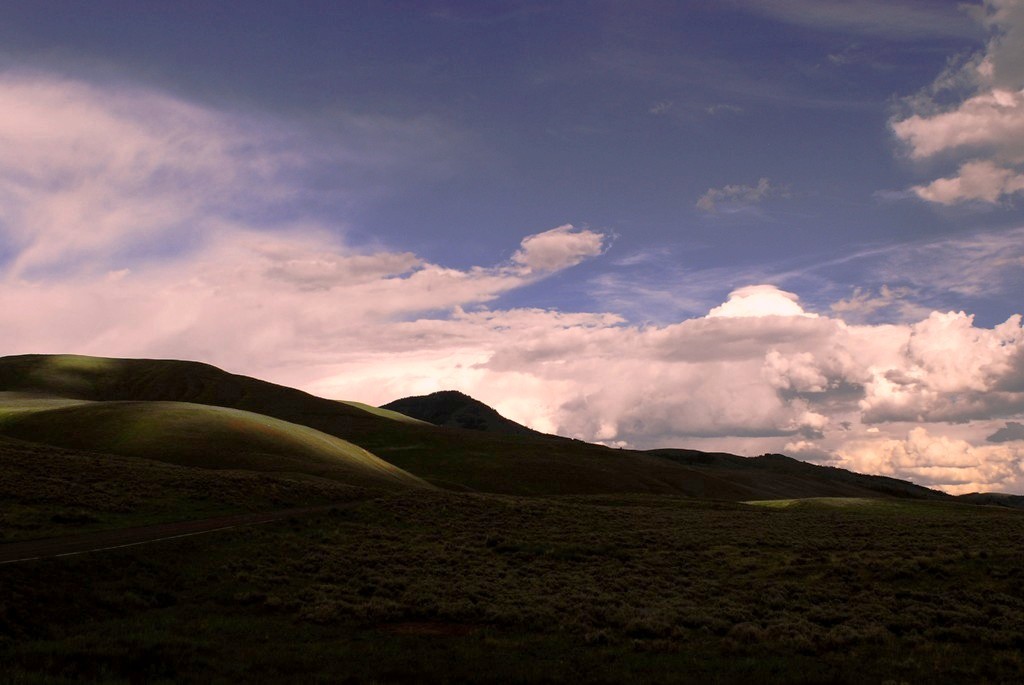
(790, 226)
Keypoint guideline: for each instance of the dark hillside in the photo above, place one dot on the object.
(797, 475)
(997, 499)
(458, 410)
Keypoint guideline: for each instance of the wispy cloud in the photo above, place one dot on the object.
(660, 107)
(723, 108)
(894, 304)
(896, 19)
(94, 172)
(975, 264)
(736, 195)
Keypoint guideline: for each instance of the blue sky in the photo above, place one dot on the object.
(540, 203)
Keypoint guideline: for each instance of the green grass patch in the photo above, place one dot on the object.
(826, 502)
(17, 402)
(876, 506)
(384, 413)
(198, 435)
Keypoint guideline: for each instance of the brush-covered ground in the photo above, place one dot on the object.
(434, 586)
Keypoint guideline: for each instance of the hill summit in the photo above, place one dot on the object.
(457, 410)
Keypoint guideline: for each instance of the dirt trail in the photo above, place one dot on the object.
(117, 538)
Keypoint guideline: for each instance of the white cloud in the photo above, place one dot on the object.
(558, 248)
(988, 121)
(760, 300)
(932, 460)
(88, 170)
(141, 224)
(977, 180)
(950, 370)
(985, 128)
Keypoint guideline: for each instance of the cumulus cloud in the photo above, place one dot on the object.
(950, 370)
(760, 300)
(928, 459)
(737, 194)
(979, 180)
(985, 127)
(558, 248)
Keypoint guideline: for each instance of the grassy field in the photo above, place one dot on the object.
(446, 587)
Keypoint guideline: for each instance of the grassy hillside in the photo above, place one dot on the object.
(453, 458)
(196, 435)
(450, 457)
(47, 491)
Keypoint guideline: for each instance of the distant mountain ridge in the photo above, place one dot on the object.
(458, 410)
(994, 499)
(743, 469)
(493, 455)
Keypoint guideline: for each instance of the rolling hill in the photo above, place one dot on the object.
(489, 460)
(768, 469)
(195, 435)
(457, 410)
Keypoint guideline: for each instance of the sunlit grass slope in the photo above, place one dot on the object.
(196, 435)
(383, 413)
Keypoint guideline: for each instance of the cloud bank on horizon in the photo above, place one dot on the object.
(137, 222)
